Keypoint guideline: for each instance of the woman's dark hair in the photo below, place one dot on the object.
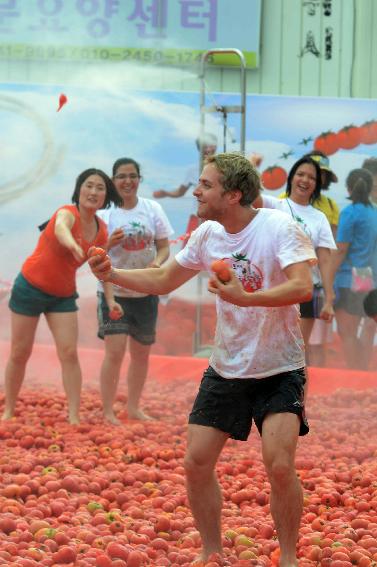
(306, 159)
(126, 161)
(370, 164)
(111, 193)
(359, 183)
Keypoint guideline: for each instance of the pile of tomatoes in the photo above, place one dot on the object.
(107, 496)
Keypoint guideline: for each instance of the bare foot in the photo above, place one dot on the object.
(139, 414)
(111, 418)
(202, 559)
(286, 561)
(74, 419)
(198, 562)
(8, 414)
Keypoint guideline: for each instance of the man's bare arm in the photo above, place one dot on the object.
(297, 289)
(154, 281)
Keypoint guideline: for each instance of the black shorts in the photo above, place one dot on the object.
(307, 310)
(231, 404)
(138, 321)
(350, 301)
(312, 309)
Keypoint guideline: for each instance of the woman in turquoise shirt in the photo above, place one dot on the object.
(356, 242)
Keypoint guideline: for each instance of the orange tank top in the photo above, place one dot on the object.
(52, 267)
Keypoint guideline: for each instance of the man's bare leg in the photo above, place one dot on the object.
(279, 441)
(204, 447)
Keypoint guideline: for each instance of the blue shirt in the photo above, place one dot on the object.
(357, 227)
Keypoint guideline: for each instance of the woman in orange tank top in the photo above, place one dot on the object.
(47, 285)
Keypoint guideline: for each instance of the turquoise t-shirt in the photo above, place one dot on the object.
(358, 227)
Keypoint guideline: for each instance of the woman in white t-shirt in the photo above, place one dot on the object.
(139, 232)
(303, 187)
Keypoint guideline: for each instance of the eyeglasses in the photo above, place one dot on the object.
(122, 176)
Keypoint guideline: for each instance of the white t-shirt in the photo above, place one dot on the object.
(142, 226)
(253, 342)
(312, 221)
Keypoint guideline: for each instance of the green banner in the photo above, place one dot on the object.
(176, 57)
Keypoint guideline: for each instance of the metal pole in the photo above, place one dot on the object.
(203, 110)
(203, 62)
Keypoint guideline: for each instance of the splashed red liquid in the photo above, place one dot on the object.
(62, 101)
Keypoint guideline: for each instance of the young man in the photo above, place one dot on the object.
(257, 369)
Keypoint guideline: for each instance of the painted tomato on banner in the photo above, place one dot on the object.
(274, 177)
(327, 142)
(349, 137)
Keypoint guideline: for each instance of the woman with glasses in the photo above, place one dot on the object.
(139, 231)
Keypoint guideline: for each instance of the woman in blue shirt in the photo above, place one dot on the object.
(356, 244)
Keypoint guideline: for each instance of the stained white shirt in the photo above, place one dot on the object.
(253, 342)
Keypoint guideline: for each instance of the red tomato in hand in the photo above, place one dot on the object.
(114, 314)
(274, 177)
(96, 251)
(221, 269)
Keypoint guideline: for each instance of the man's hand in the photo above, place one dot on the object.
(231, 291)
(154, 264)
(100, 264)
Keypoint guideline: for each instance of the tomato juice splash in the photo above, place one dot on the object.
(62, 101)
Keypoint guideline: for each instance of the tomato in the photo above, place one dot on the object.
(349, 137)
(103, 561)
(274, 177)
(368, 132)
(65, 554)
(96, 251)
(221, 269)
(117, 551)
(115, 315)
(327, 142)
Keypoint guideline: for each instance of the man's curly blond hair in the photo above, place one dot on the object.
(237, 173)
